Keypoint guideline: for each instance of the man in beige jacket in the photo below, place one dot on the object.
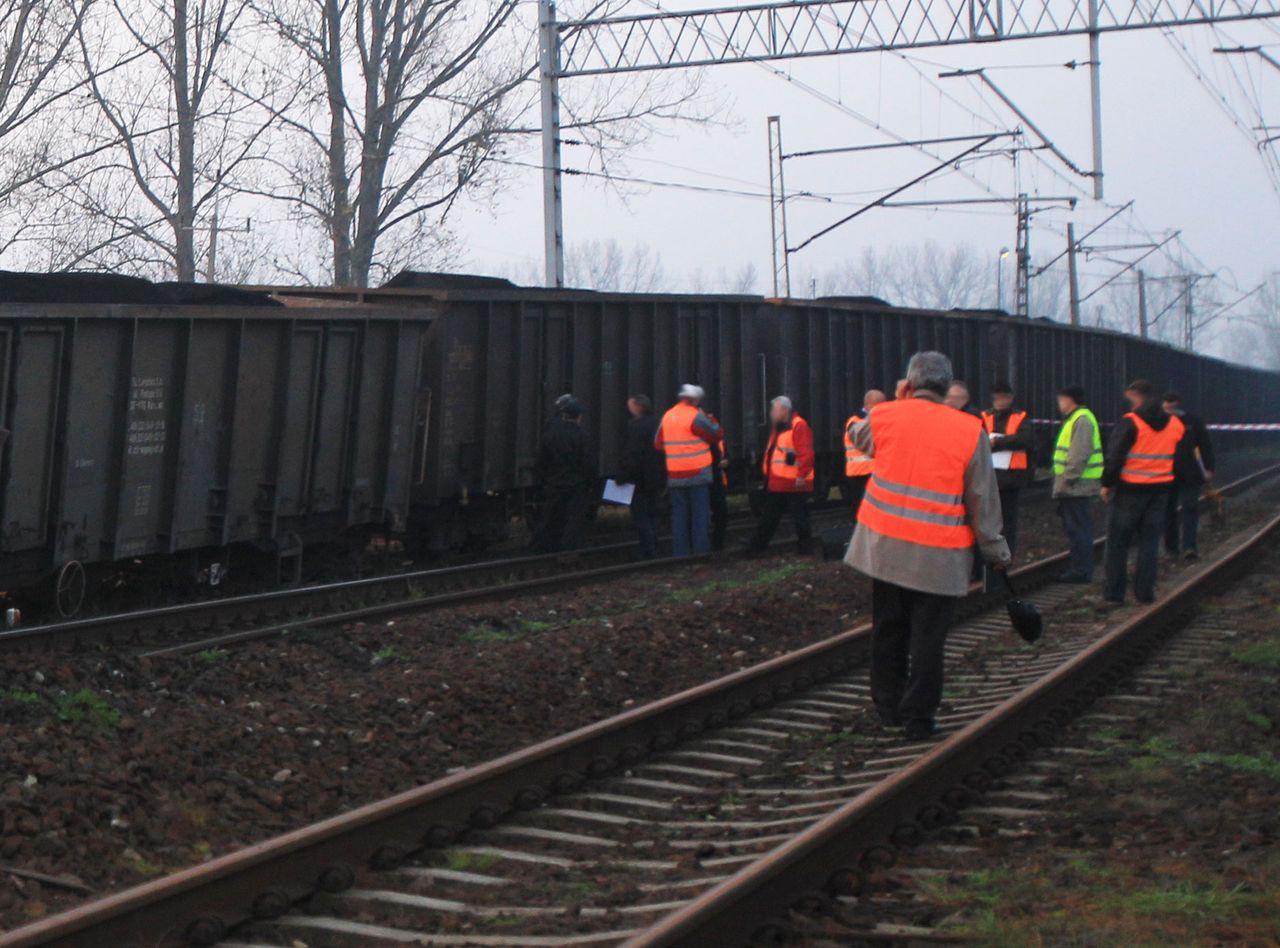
(931, 499)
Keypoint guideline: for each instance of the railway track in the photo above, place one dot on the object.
(702, 818)
(218, 623)
(215, 623)
(1029, 804)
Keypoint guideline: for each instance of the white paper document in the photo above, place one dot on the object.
(1001, 460)
(615, 493)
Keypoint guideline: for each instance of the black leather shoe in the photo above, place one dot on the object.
(889, 718)
(919, 729)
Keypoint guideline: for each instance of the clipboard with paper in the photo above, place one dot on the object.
(615, 493)
(1000, 460)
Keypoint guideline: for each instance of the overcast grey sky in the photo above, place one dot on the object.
(1169, 145)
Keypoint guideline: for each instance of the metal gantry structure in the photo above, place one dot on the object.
(800, 29)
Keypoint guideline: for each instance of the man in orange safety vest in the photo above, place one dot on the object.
(858, 466)
(788, 474)
(684, 437)
(932, 498)
(1136, 479)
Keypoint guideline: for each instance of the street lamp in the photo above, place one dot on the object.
(1004, 252)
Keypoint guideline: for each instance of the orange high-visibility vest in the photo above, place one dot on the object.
(1150, 460)
(1019, 460)
(780, 475)
(856, 464)
(686, 453)
(916, 492)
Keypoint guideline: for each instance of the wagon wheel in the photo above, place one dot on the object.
(70, 589)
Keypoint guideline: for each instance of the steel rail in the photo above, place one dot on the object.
(502, 588)
(197, 906)
(299, 604)
(804, 873)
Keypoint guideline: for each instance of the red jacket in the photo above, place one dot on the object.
(781, 475)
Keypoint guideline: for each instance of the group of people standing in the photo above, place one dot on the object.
(935, 485)
(684, 454)
(1157, 460)
(945, 481)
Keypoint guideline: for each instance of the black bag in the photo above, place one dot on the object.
(835, 542)
(1024, 616)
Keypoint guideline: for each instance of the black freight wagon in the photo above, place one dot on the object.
(825, 355)
(498, 357)
(171, 425)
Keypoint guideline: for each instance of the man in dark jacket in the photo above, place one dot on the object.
(1192, 468)
(719, 495)
(643, 466)
(959, 398)
(1011, 444)
(567, 471)
(1136, 479)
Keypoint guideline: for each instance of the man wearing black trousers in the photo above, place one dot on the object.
(644, 466)
(567, 470)
(1192, 469)
(932, 499)
(1011, 444)
(1136, 480)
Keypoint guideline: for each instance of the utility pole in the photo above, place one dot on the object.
(1022, 286)
(211, 265)
(1095, 96)
(1073, 277)
(552, 202)
(1142, 304)
(1188, 312)
(778, 211)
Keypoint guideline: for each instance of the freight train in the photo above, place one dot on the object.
(192, 430)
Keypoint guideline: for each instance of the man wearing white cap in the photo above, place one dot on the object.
(685, 438)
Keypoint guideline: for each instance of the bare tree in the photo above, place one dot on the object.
(408, 106)
(172, 133)
(38, 82)
(417, 102)
(926, 275)
(607, 265)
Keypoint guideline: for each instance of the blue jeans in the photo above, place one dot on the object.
(1183, 512)
(1078, 525)
(1135, 518)
(690, 519)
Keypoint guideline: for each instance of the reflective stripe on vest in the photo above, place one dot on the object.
(916, 492)
(856, 464)
(1150, 460)
(1062, 448)
(686, 453)
(1018, 462)
(775, 457)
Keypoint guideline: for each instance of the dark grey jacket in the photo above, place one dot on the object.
(1187, 468)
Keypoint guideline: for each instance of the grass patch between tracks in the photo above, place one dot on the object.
(764, 577)
(1171, 834)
